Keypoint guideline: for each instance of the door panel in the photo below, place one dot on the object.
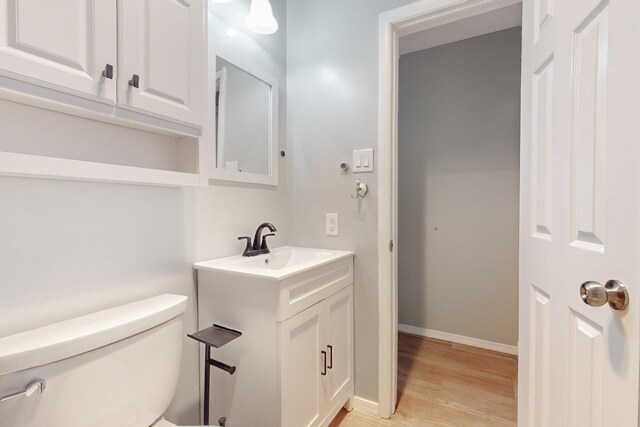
(162, 41)
(539, 357)
(339, 317)
(543, 13)
(589, 93)
(586, 356)
(301, 342)
(64, 44)
(580, 212)
(542, 150)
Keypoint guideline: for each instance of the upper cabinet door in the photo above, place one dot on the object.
(63, 45)
(162, 58)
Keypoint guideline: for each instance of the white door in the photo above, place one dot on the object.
(303, 367)
(64, 44)
(580, 212)
(339, 323)
(162, 58)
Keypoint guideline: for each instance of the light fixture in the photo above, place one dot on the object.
(260, 19)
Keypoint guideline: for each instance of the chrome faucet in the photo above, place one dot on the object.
(259, 245)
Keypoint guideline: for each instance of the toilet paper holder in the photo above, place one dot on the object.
(214, 336)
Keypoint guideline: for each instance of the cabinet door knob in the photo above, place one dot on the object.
(108, 71)
(324, 363)
(330, 347)
(135, 81)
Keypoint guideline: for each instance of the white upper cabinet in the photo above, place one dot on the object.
(63, 44)
(130, 62)
(162, 58)
(78, 57)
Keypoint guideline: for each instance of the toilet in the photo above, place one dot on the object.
(116, 367)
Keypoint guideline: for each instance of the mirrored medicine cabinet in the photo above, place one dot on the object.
(246, 123)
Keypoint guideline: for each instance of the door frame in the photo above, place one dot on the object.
(395, 23)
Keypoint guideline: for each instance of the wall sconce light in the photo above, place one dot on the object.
(260, 19)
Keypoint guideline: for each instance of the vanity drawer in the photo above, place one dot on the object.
(300, 292)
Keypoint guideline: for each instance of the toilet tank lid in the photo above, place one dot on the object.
(69, 338)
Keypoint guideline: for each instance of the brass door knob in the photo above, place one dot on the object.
(597, 295)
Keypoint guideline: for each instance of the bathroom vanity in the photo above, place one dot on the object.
(294, 360)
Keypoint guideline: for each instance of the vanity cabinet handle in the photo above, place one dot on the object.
(330, 347)
(324, 363)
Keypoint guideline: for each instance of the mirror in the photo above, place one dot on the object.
(246, 124)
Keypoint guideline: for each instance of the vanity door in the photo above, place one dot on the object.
(303, 370)
(64, 45)
(339, 323)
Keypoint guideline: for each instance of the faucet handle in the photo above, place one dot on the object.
(264, 240)
(248, 247)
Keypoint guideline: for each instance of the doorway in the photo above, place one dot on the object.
(448, 185)
(458, 217)
(578, 220)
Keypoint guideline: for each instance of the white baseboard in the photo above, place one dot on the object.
(366, 406)
(459, 339)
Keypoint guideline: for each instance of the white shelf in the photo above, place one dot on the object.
(27, 165)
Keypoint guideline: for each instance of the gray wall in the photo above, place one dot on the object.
(458, 187)
(332, 59)
(70, 248)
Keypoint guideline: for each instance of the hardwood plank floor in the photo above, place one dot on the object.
(447, 385)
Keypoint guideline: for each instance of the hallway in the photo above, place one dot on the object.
(446, 384)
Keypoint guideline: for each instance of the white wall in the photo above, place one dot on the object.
(332, 58)
(61, 135)
(70, 248)
(458, 147)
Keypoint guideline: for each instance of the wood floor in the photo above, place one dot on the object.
(446, 384)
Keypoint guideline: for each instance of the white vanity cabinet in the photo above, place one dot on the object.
(316, 361)
(80, 57)
(295, 357)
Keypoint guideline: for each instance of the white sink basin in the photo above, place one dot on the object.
(279, 264)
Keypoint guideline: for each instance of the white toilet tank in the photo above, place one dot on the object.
(117, 367)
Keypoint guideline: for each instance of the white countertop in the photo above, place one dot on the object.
(281, 263)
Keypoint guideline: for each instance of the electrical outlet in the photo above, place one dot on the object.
(332, 224)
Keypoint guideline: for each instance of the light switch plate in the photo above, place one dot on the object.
(363, 160)
(332, 224)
